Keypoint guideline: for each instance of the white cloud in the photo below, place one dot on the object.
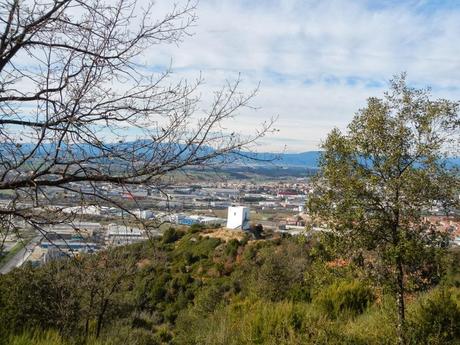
(317, 61)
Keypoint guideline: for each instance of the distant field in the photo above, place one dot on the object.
(240, 172)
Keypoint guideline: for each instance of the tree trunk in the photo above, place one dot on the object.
(100, 317)
(88, 315)
(400, 303)
(399, 276)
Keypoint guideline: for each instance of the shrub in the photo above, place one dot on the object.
(198, 247)
(376, 326)
(231, 249)
(194, 228)
(171, 235)
(436, 319)
(281, 273)
(345, 297)
(299, 293)
(209, 298)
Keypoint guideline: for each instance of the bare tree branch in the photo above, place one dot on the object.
(72, 92)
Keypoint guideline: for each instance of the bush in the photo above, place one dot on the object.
(194, 228)
(171, 235)
(299, 293)
(209, 298)
(248, 322)
(350, 298)
(198, 247)
(231, 249)
(281, 273)
(376, 326)
(436, 320)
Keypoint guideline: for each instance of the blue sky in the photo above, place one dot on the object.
(316, 61)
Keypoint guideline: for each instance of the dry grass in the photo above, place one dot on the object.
(225, 234)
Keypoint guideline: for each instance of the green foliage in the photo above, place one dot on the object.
(350, 298)
(38, 338)
(373, 327)
(230, 293)
(452, 271)
(436, 319)
(196, 246)
(280, 272)
(171, 235)
(209, 298)
(28, 300)
(231, 249)
(248, 321)
(195, 228)
(377, 181)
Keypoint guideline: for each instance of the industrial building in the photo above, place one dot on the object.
(183, 219)
(118, 235)
(72, 230)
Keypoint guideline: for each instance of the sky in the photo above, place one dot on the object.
(316, 61)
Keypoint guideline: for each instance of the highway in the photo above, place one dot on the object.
(20, 256)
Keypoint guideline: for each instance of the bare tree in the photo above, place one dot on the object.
(72, 93)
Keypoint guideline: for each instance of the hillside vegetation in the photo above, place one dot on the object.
(190, 289)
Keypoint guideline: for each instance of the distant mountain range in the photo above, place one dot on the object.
(307, 159)
(304, 160)
(310, 159)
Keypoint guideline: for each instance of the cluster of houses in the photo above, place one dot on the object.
(191, 196)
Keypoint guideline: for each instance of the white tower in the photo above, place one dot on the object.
(238, 218)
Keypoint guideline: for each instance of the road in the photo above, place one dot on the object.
(20, 256)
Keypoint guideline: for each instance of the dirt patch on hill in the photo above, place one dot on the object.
(144, 263)
(225, 234)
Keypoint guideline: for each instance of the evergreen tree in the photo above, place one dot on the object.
(380, 179)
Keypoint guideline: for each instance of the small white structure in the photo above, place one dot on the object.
(238, 218)
(205, 220)
(143, 214)
(88, 210)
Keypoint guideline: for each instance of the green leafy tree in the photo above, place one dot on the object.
(281, 273)
(380, 179)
